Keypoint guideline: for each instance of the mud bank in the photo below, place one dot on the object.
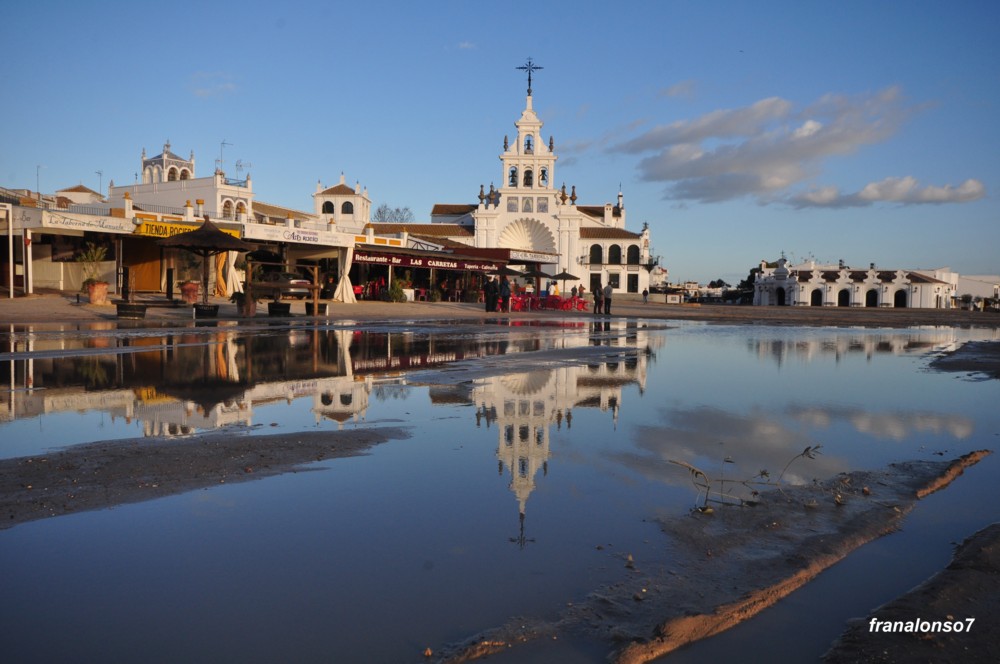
(974, 357)
(968, 588)
(106, 474)
(727, 566)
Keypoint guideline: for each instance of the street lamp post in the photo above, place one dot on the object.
(10, 247)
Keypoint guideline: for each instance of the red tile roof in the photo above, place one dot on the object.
(428, 230)
(338, 190)
(598, 211)
(447, 208)
(80, 189)
(602, 233)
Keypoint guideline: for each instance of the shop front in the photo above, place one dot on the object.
(153, 268)
(423, 275)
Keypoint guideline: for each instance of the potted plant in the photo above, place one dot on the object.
(92, 256)
(246, 306)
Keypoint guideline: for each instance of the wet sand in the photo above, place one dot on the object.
(106, 474)
(968, 588)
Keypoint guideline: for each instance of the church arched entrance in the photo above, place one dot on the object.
(871, 298)
(816, 298)
(899, 299)
(844, 297)
(779, 296)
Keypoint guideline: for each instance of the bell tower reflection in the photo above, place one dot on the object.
(525, 407)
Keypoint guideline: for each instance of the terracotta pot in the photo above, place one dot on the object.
(189, 291)
(98, 292)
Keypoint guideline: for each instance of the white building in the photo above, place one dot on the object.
(809, 284)
(529, 221)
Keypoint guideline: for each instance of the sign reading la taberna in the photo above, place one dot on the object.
(87, 222)
(398, 260)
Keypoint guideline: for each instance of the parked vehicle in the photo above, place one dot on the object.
(292, 284)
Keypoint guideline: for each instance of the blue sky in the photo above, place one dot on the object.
(862, 131)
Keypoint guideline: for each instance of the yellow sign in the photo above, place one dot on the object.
(167, 229)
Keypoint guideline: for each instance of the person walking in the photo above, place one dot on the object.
(608, 292)
(598, 300)
(504, 294)
(645, 296)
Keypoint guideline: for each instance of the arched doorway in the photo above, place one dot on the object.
(844, 297)
(816, 299)
(899, 299)
(779, 295)
(871, 298)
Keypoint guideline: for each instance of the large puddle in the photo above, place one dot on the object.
(522, 467)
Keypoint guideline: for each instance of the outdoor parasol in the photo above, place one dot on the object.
(509, 272)
(205, 241)
(535, 273)
(563, 276)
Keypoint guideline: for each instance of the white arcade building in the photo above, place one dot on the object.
(815, 285)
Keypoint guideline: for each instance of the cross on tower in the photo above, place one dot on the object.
(529, 67)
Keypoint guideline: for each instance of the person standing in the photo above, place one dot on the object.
(598, 300)
(492, 294)
(504, 294)
(608, 292)
(645, 296)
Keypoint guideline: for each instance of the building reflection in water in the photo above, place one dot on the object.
(524, 407)
(866, 343)
(186, 381)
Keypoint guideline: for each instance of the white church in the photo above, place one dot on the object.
(530, 221)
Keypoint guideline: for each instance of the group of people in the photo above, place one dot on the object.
(602, 299)
(497, 292)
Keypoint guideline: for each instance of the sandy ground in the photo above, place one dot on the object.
(51, 307)
(767, 555)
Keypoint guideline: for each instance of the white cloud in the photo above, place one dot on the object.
(466, 45)
(904, 191)
(682, 90)
(767, 148)
(808, 128)
(212, 84)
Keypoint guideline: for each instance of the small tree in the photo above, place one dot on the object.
(385, 214)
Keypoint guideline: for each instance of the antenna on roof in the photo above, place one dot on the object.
(241, 166)
(218, 162)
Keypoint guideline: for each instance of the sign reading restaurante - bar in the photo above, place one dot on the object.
(396, 260)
